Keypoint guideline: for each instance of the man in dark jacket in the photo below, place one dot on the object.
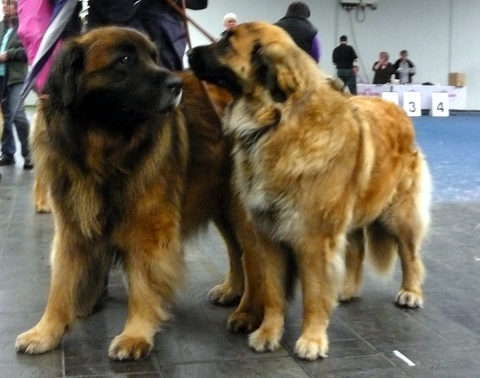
(13, 70)
(343, 57)
(301, 30)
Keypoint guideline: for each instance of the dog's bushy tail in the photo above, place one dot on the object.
(381, 248)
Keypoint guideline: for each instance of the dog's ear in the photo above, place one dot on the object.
(275, 68)
(64, 78)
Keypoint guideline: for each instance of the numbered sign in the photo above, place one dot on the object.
(390, 96)
(412, 104)
(440, 105)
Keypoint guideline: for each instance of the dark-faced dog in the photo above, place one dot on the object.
(131, 170)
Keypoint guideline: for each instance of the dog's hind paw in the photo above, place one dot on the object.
(409, 299)
(265, 340)
(35, 342)
(129, 348)
(311, 348)
(225, 295)
(42, 209)
(348, 296)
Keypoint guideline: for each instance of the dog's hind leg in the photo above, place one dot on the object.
(94, 287)
(249, 313)
(68, 266)
(41, 196)
(408, 218)
(231, 290)
(354, 256)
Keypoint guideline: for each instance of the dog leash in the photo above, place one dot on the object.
(181, 10)
(83, 14)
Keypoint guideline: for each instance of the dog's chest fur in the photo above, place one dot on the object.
(272, 209)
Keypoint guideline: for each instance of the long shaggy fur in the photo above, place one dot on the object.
(326, 174)
(128, 174)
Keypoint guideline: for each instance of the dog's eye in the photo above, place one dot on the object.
(125, 59)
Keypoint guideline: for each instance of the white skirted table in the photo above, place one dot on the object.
(457, 96)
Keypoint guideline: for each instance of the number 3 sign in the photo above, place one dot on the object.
(440, 105)
(412, 104)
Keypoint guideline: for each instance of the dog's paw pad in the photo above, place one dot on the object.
(409, 299)
(129, 348)
(262, 340)
(33, 342)
(311, 348)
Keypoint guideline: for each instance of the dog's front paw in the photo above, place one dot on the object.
(244, 321)
(310, 349)
(129, 348)
(409, 299)
(264, 339)
(225, 294)
(35, 341)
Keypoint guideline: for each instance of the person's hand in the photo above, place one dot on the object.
(3, 57)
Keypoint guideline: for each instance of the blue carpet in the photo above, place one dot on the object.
(452, 148)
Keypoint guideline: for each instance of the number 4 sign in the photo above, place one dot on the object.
(440, 105)
(412, 104)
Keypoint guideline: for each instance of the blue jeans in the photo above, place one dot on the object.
(10, 100)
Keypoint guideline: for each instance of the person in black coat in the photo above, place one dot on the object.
(296, 23)
(157, 18)
(404, 68)
(383, 69)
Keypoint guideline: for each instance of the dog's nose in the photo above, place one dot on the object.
(174, 85)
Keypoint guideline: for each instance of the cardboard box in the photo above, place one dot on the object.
(456, 79)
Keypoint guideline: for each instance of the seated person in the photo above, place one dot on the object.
(383, 69)
(404, 68)
(359, 76)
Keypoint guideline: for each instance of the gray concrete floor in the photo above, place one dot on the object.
(442, 339)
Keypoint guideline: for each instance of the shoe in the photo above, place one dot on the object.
(6, 161)
(28, 164)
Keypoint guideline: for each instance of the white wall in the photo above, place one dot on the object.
(441, 35)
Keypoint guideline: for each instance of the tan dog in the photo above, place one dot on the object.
(129, 174)
(317, 171)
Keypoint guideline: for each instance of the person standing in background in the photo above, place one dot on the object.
(404, 68)
(229, 22)
(157, 18)
(296, 23)
(13, 71)
(343, 57)
(383, 69)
